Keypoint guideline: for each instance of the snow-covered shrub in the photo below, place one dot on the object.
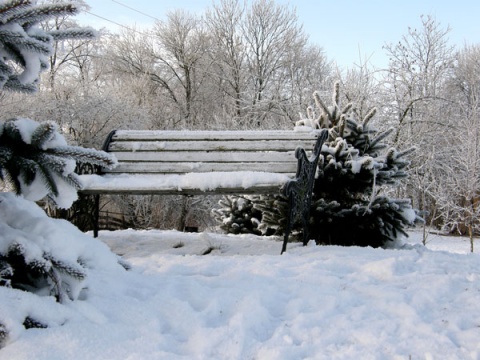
(44, 256)
(43, 260)
(349, 205)
(355, 168)
(237, 215)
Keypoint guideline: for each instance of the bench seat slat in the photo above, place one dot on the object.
(198, 145)
(209, 156)
(213, 135)
(199, 167)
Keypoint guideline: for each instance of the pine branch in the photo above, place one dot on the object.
(86, 155)
(341, 127)
(48, 179)
(351, 125)
(40, 35)
(30, 16)
(11, 181)
(5, 70)
(73, 33)
(12, 53)
(336, 100)
(336, 93)
(20, 41)
(11, 132)
(56, 288)
(48, 167)
(31, 323)
(15, 249)
(13, 84)
(310, 113)
(43, 134)
(39, 266)
(5, 155)
(406, 152)
(3, 335)
(347, 108)
(74, 181)
(381, 137)
(7, 9)
(320, 104)
(53, 163)
(369, 116)
(27, 168)
(74, 271)
(6, 272)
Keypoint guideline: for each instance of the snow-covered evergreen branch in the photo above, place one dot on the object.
(24, 47)
(36, 160)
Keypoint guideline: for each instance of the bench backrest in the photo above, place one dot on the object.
(178, 152)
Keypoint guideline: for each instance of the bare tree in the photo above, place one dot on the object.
(224, 22)
(180, 55)
(420, 64)
(362, 86)
(171, 62)
(265, 70)
(271, 34)
(307, 70)
(459, 199)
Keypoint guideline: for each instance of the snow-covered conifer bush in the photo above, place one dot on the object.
(237, 215)
(349, 205)
(37, 254)
(355, 168)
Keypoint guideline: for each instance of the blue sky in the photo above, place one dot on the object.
(348, 30)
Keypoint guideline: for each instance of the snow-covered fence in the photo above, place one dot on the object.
(199, 162)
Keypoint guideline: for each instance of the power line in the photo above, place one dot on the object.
(116, 23)
(133, 9)
(103, 18)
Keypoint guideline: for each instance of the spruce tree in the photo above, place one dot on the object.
(35, 160)
(252, 214)
(350, 205)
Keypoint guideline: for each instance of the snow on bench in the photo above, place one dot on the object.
(199, 162)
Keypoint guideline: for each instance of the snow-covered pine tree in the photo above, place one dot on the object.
(274, 209)
(349, 204)
(237, 215)
(36, 161)
(252, 214)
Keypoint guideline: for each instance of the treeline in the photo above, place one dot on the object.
(252, 66)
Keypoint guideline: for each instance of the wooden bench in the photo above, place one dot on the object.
(200, 162)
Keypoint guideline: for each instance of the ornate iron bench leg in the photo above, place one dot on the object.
(288, 227)
(299, 190)
(96, 216)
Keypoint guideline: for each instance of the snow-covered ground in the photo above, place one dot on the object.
(245, 301)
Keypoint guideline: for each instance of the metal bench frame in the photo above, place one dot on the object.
(159, 154)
